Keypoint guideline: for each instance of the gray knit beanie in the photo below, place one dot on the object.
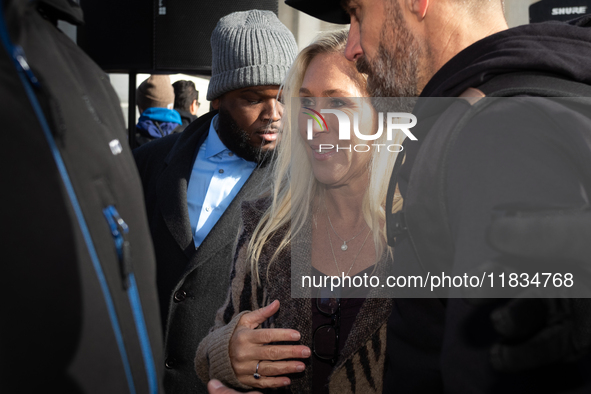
(249, 48)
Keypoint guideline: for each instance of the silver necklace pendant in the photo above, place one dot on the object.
(344, 246)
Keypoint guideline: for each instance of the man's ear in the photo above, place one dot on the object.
(215, 104)
(194, 107)
(418, 7)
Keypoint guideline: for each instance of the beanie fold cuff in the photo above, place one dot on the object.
(259, 75)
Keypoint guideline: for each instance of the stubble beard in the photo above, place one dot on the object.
(394, 71)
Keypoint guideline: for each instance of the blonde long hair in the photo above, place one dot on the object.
(293, 205)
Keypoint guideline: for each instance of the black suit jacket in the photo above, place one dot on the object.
(192, 284)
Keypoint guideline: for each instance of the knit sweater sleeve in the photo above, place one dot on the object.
(212, 360)
(213, 357)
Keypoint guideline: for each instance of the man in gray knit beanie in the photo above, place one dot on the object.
(194, 182)
(251, 53)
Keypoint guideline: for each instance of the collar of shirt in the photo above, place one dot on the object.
(213, 145)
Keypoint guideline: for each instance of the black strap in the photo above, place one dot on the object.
(157, 124)
(395, 225)
(534, 84)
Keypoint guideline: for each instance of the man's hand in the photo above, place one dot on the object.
(541, 325)
(249, 346)
(216, 387)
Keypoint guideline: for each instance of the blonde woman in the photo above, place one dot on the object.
(331, 202)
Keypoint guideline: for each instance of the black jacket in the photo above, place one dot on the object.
(186, 117)
(437, 346)
(69, 322)
(192, 284)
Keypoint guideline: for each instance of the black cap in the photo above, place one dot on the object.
(326, 10)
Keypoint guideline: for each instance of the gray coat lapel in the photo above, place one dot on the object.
(172, 184)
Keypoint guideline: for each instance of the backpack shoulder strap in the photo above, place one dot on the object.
(534, 84)
(157, 124)
(424, 218)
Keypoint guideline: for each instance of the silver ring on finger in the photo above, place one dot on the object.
(256, 372)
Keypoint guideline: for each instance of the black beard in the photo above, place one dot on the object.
(237, 140)
(394, 71)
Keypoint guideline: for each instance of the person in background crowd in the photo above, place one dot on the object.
(530, 151)
(194, 182)
(155, 100)
(317, 198)
(186, 101)
(77, 283)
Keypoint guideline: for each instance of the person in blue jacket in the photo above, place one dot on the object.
(155, 100)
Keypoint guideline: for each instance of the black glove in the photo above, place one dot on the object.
(541, 325)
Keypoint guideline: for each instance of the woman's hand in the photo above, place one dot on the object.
(249, 347)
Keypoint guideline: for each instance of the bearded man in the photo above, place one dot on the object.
(514, 151)
(195, 181)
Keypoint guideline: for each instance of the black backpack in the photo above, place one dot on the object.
(425, 200)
